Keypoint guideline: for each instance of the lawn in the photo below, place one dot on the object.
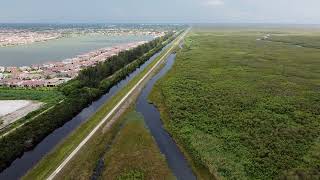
(47, 96)
(243, 108)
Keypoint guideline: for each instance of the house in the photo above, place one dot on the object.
(49, 74)
(67, 61)
(29, 76)
(25, 68)
(2, 69)
(53, 82)
(35, 67)
(12, 83)
(69, 74)
(33, 83)
(23, 76)
(11, 69)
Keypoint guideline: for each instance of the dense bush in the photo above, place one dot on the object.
(89, 85)
(298, 40)
(243, 108)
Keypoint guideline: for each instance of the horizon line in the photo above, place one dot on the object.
(169, 23)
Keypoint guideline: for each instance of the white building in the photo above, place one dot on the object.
(2, 69)
(25, 68)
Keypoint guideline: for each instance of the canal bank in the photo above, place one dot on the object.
(175, 158)
(116, 151)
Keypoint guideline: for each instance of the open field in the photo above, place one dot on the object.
(245, 109)
(46, 96)
(10, 106)
(134, 154)
(41, 101)
(23, 97)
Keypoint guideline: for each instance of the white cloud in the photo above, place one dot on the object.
(214, 2)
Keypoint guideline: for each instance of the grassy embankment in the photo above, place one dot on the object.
(83, 164)
(242, 108)
(134, 154)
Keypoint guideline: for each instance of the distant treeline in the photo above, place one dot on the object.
(90, 85)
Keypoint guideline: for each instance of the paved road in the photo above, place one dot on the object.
(104, 120)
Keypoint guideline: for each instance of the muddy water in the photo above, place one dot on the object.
(175, 158)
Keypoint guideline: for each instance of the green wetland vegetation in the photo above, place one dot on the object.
(134, 154)
(243, 108)
(308, 41)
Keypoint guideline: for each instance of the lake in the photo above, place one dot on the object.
(60, 49)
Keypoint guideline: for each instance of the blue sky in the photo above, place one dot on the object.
(172, 11)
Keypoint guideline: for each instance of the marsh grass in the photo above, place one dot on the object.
(242, 108)
(134, 154)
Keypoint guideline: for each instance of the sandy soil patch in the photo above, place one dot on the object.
(13, 110)
(9, 106)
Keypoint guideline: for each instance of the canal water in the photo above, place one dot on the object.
(63, 48)
(175, 158)
(29, 159)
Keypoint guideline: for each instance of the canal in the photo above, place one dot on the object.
(175, 158)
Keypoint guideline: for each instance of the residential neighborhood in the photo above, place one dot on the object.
(20, 37)
(52, 74)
